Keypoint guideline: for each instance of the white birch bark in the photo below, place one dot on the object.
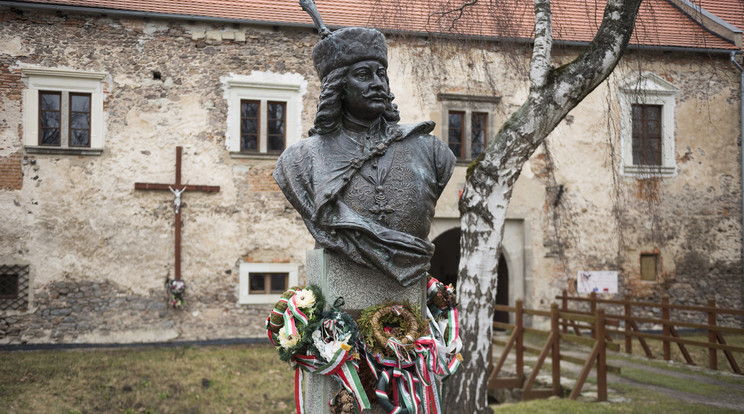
(553, 93)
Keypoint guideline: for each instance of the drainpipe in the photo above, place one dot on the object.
(741, 130)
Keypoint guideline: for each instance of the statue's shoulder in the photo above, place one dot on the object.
(300, 149)
(421, 132)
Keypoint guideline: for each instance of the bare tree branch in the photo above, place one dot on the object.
(540, 64)
(458, 10)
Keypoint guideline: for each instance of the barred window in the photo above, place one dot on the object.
(14, 287)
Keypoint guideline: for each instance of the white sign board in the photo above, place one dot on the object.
(603, 281)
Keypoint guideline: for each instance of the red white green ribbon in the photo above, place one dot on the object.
(340, 366)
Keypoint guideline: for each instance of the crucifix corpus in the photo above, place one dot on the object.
(177, 188)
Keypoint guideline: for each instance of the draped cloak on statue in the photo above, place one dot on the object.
(370, 196)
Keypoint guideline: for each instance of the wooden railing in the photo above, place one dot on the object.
(669, 334)
(552, 347)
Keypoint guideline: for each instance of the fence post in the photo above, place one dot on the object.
(564, 308)
(556, 349)
(601, 357)
(666, 331)
(628, 338)
(518, 325)
(593, 310)
(712, 353)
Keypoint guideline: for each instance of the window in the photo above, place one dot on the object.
(476, 139)
(64, 119)
(268, 282)
(264, 113)
(649, 266)
(647, 105)
(466, 123)
(14, 287)
(263, 283)
(250, 125)
(63, 112)
(8, 286)
(646, 134)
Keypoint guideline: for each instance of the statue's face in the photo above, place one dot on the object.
(366, 91)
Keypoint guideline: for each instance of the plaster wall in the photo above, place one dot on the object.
(100, 251)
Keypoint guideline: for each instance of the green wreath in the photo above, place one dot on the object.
(288, 347)
(401, 321)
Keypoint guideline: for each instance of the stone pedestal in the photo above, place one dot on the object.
(361, 288)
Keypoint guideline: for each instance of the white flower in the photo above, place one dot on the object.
(328, 350)
(288, 341)
(304, 298)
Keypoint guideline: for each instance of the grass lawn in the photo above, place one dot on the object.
(230, 379)
(236, 379)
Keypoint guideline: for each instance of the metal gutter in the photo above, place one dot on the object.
(224, 20)
(741, 131)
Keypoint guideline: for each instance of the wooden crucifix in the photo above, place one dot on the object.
(177, 188)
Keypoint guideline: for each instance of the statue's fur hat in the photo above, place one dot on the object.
(347, 46)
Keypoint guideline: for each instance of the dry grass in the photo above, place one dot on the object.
(698, 354)
(230, 379)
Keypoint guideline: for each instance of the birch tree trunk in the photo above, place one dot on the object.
(553, 93)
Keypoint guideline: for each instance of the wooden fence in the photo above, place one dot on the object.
(669, 327)
(552, 347)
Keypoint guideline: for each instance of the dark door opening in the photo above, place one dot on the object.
(446, 261)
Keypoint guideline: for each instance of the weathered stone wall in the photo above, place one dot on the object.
(100, 251)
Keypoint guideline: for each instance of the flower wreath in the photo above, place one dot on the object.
(176, 287)
(288, 323)
(333, 352)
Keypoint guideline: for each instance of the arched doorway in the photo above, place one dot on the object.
(445, 262)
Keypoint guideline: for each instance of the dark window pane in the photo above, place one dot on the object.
(478, 144)
(646, 140)
(276, 128)
(456, 149)
(454, 138)
(249, 126)
(478, 130)
(50, 119)
(80, 103)
(79, 120)
(249, 142)
(50, 136)
(50, 101)
(276, 110)
(8, 286)
(257, 282)
(276, 143)
(79, 138)
(455, 120)
(278, 282)
(249, 109)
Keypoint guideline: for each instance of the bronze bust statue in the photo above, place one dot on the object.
(365, 186)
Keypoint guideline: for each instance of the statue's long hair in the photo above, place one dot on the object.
(330, 105)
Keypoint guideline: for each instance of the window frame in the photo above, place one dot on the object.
(647, 89)
(468, 105)
(67, 83)
(70, 95)
(264, 87)
(657, 266)
(258, 125)
(245, 297)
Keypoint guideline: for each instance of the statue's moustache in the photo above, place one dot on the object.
(376, 94)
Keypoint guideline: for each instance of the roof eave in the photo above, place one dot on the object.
(195, 18)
